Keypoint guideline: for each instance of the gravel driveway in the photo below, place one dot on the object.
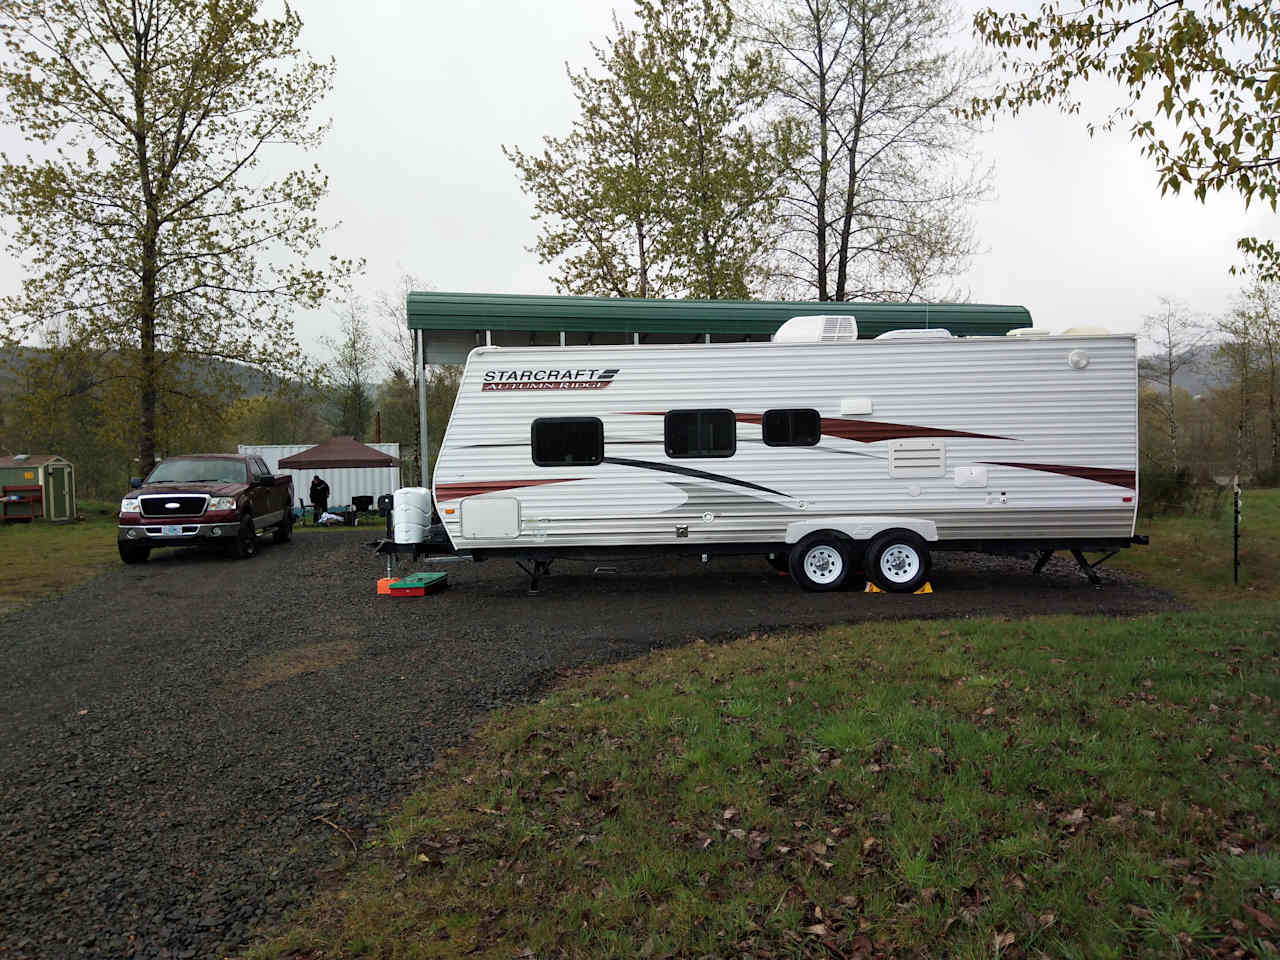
(174, 736)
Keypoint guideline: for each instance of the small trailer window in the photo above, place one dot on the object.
(792, 428)
(701, 433)
(567, 441)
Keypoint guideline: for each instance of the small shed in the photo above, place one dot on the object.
(350, 468)
(37, 485)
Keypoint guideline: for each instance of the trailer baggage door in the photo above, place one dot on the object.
(490, 518)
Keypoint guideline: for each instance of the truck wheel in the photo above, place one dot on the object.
(284, 529)
(245, 545)
(820, 562)
(134, 553)
(898, 561)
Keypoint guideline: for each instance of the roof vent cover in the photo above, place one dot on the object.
(821, 328)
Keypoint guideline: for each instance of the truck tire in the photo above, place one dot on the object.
(134, 552)
(245, 545)
(898, 561)
(820, 562)
(283, 532)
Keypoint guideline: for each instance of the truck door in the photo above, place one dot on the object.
(262, 498)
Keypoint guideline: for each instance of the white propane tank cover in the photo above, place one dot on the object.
(1028, 332)
(820, 328)
(411, 515)
(917, 333)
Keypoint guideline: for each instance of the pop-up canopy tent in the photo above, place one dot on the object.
(339, 452)
(349, 467)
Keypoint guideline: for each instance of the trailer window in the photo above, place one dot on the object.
(701, 433)
(567, 441)
(792, 428)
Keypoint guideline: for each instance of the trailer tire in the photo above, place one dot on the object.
(898, 561)
(820, 562)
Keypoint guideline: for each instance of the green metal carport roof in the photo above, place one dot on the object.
(489, 311)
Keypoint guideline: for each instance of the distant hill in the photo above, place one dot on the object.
(251, 380)
(1203, 375)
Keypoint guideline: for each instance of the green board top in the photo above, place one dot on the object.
(418, 581)
(494, 311)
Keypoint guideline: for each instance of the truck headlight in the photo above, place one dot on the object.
(129, 505)
(222, 503)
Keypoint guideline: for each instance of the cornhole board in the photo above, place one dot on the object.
(418, 584)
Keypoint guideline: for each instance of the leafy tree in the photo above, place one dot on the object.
(877, 205)
(1200, 88)
(142, 215)
(1178, 336)
(668, 181)
(291, 412)
(1253, 330)
(352, 372)
(442, 391)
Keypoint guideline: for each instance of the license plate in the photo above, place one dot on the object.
(171, 531)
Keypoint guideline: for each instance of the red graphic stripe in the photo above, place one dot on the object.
(1117, 478)
(870, 431)
(456, 491)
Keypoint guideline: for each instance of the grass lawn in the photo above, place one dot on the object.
(1050, 787)
(40, 558)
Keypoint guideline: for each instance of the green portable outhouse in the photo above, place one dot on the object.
(55, 477)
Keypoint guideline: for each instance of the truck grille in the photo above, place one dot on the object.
(175, 505)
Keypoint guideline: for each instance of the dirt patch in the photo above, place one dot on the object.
(299, 660)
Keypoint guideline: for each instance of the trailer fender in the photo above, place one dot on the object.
(862, 528)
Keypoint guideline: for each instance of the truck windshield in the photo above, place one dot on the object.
(197, 471)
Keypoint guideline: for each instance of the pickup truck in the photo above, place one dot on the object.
(205, 498)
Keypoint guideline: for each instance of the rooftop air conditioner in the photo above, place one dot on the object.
(821, 328)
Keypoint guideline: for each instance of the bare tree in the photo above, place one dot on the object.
(397, 340)
(1238, 354)
(877, 207)
(1178, 335)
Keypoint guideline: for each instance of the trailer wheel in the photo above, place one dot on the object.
(820, 562)
(898, 561)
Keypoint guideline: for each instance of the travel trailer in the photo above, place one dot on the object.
(834, 457)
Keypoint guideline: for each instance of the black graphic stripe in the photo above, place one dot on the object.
(687, 472)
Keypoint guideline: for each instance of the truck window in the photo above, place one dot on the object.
(791, 428)
(567, 441)
(701, 433)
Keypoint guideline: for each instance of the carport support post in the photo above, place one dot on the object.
(420, 349)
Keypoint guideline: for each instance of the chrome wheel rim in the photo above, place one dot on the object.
(823, 564)
(900, 563)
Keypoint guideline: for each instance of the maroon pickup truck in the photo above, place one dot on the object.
(205, 498)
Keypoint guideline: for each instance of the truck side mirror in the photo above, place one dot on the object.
(135, 483)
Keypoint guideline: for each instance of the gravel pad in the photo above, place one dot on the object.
(187, 745)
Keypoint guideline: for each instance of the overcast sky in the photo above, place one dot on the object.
(427, 93)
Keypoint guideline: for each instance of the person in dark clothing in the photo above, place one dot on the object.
(319, 497)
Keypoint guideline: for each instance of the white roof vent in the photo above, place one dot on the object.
(818, 329)
(917, 333)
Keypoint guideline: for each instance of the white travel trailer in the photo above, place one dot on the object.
(828, 454)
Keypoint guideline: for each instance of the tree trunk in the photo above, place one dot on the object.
(846, 225)
(824, 133)
(1173, 414)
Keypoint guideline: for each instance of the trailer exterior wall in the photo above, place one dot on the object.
(992, 402)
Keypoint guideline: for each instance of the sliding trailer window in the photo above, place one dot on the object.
(701, 433)
(567, 441)
(792, 428)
